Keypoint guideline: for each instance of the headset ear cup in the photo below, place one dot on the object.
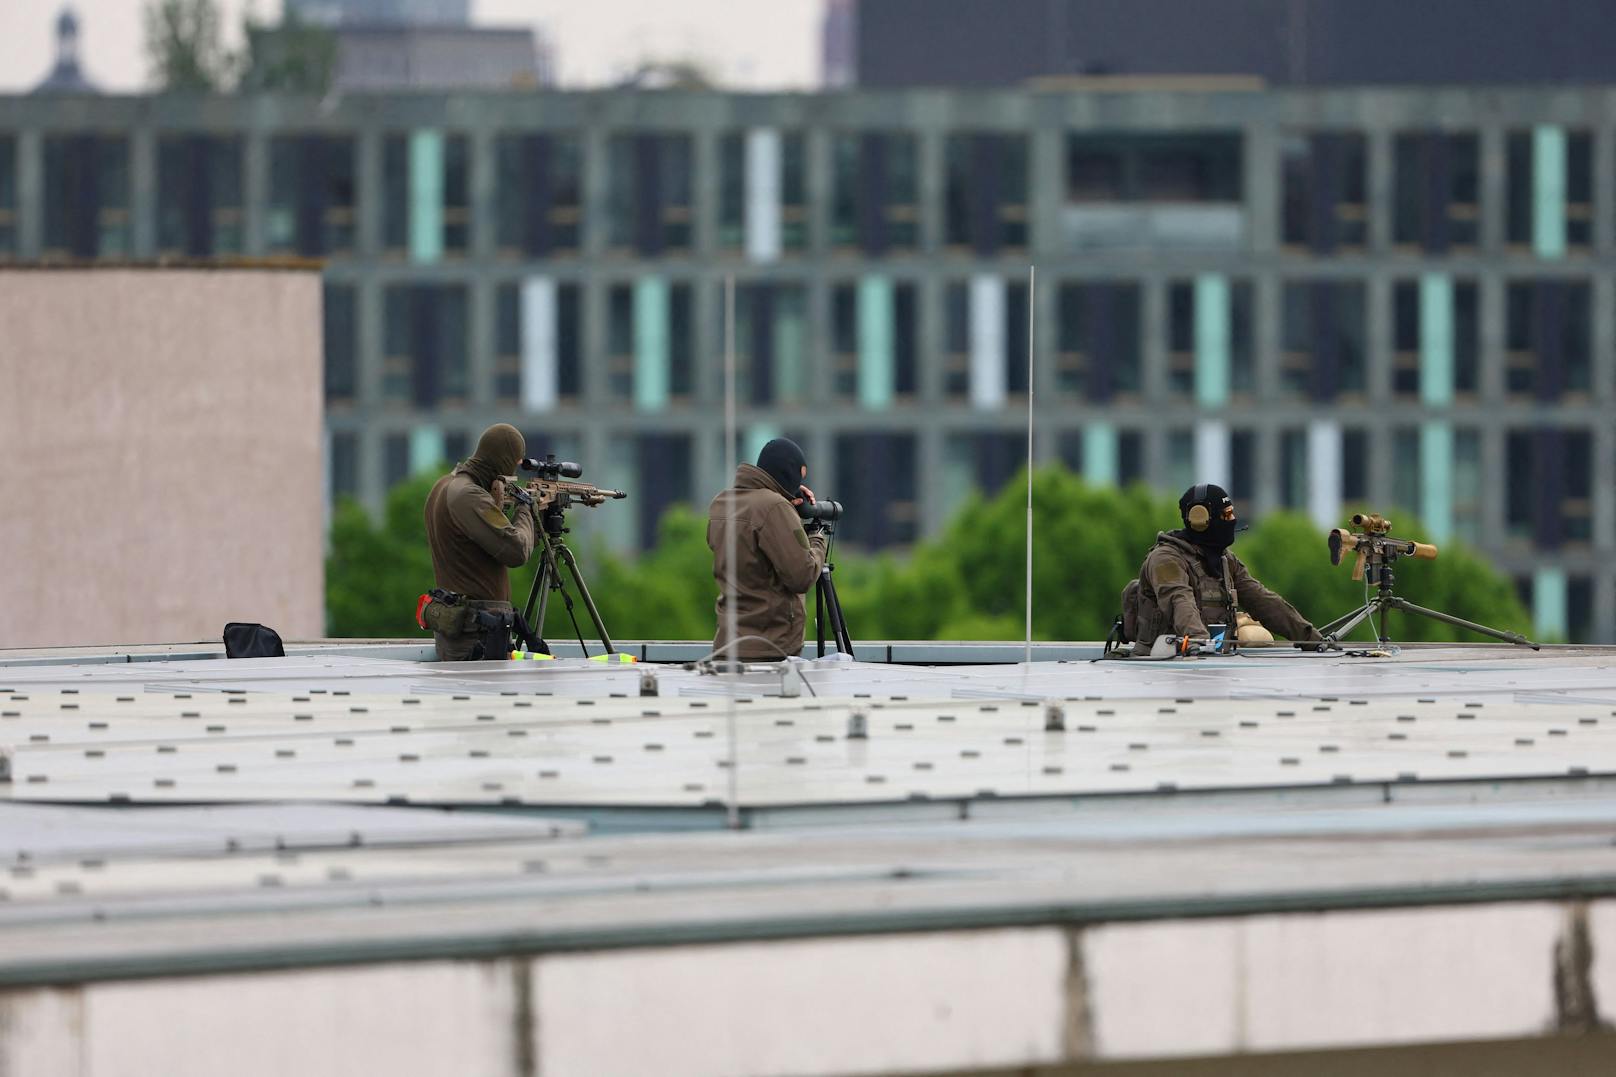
(1199, 517)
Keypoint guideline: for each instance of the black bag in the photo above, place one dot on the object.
(242, 640)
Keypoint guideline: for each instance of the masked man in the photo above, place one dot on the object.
(776, 560)
(1190, 580)
(474, 545)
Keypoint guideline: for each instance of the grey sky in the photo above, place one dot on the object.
(757, 44)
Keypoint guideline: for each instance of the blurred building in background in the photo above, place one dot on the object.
(894, 43)
(1322, 297)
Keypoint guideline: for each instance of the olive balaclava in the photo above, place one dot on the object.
(1208, 515)
(498, 451)
(782, 460)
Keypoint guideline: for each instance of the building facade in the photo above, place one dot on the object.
(1320, 298)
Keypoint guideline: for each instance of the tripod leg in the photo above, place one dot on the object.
(1459, 622)
(1346, 623)
(547, 575)
(838, 623)
(819, 611)
(589, 603)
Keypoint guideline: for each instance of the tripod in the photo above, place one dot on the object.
(1378, 560)
(825, 599)
(553, 556)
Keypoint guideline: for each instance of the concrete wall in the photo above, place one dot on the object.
(160, 454)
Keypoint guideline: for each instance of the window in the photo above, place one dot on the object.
(1354, 465)
(771, 351)
(1099, 340)
(86, 196)
(1550, 190)
(199, 196)
(1463, 347)
(426, 195)
(861, 364)
(311, 196)
(8, 196)
(649, 193)
(554, 360)
(1130, 454)
(1325, 192)
(877, 479)
(664, 480)
(1324, 340)
(345, 465)
(1550, 496)
(1185, 353)
(650, 343)
(540, 195)
(424, 353)
(986, 193)
(875, 191)
(341, 344)
(782, 197)
(1006, 363)
(1190, 167)
(1547, 332)
(1467, 487)
(1437, 178)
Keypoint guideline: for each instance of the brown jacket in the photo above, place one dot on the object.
(473, 544)
(1178, 596)
(776, 562)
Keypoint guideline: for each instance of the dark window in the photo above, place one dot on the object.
(424, 360)
(791, 185)
(1242, 463)
(876, 474)
(665, 480)
(1437, 177)
(770, 343)
(1325, 192)
(540, 198)
(395, 459)
(845, 338)
(1182, 350)
(649, 188)
(1324, 340)
(1522, 150)
(875, 192)
(399, 196)
(86, 196)
(623, 341)
(345, 465)
(341, 344)
(1354, 465)
(1012, 329)
(8, 196)
(1580, 609)
(508, 371)
(1548, 335)
(1195, 167)
(311, 195)
(1099, 340)
(1407, 348)
(199, 196)
(986, 192)
(1550, 480)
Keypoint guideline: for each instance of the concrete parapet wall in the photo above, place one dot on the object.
(161, 437)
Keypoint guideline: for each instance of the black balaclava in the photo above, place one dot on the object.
(1202, 508)
(782, 460)
(498, 451)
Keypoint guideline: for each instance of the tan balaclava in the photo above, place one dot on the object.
(498, 451)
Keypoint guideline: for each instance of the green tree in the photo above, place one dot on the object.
(185, 47)
(289, 57)
(968, 583)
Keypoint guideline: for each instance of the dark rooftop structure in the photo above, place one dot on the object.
(66, 76)
(1280, 42)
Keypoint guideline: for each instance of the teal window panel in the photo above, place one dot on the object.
(651, 344)
(426, 448)
(1437, 480)
(1436, 340)
(876, 361)
(757, 436)
(1550, 618)
(1100, 454)
(1213, 340)
(1549, 191)
(426, 196)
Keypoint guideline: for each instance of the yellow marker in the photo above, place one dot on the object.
(517, 656)
(617, 658)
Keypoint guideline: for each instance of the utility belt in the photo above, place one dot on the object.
(492, 623)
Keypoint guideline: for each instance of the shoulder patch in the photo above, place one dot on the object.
(802, 538)
(1166, 571)
(494, 518)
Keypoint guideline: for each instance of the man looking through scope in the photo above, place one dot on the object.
(776, 559)
(474, 545)
(1190, 581)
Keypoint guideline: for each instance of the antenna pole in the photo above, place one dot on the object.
(1032, 303)
(732, 655)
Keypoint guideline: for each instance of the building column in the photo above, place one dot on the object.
(1269, 335)
(370, 337)
(30, 193)
(987, 359)
(1263, 194)
(817, 147)
(762, 187)
(596, 231)
(1324, 472)
(1046, 177)
(1378, 354)
(142, 192)
(1603, 147)
(369, 194)
(1494, 168)
(255, 192)
(704, 191)
(932, 189)
(484, 181)
(1153, 380)
(1381, 189)
(481, 340)
(1492, 339)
